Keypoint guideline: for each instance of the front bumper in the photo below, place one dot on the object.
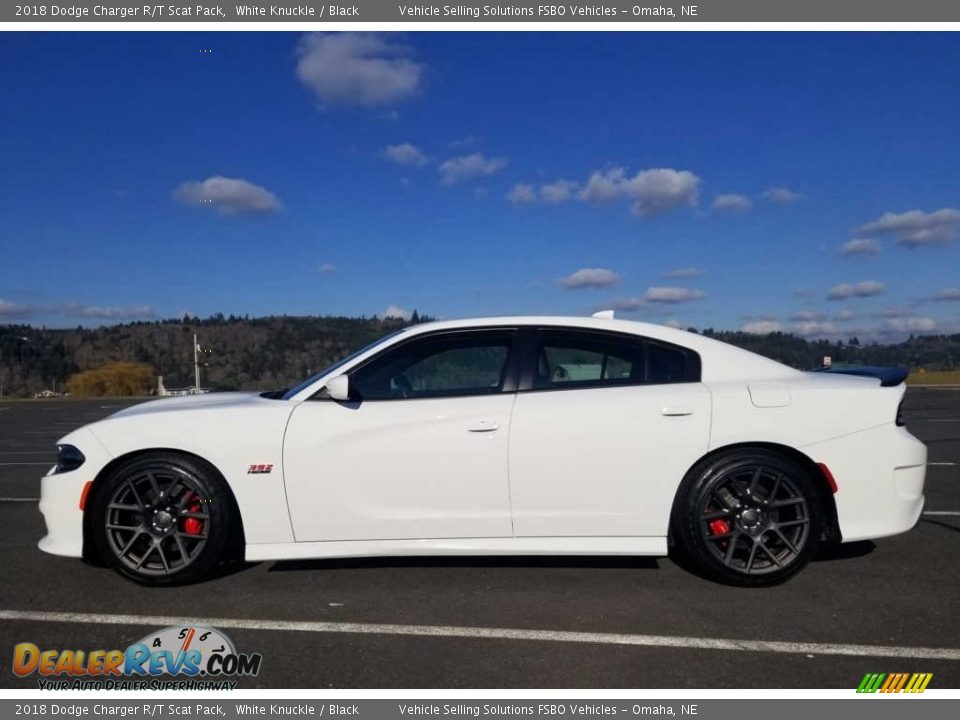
(60, 497)
(880, 475)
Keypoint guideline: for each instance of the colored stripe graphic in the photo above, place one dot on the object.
(871, 682)
(894, 682)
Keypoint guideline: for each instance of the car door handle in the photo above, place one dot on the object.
(676, 411)
(483, 426)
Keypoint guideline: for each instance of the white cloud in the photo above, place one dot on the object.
(945, 294)
(522, 194)
(916, 228)
(674, 323)
(731, 202)
(558, 191)
(866, 288)
(551, 193)
(590, 278)
(781, 195)
(860, 246)
(684, 272)
(469, 167)
(631, 304)
(652, 192)
(813, 328)
(761, 327)
(405, 154)
(844, 316)
(894, 312)
(9, 309)
(327, 269)
(365, 69)
(671, 295)
(109, 313)
(228, 196)
(910, 324)
(605, 185)
(806, 316)
(394, 311)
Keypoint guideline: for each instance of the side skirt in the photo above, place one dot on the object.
(459, 546)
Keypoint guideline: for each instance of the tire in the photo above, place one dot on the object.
(163, 519)
(750, 517)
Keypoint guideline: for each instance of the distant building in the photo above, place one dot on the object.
(163, 391)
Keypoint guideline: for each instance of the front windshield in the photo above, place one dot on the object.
(340, 363)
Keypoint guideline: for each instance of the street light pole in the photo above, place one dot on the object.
(196, 364)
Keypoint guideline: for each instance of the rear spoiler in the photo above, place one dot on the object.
(888, 376)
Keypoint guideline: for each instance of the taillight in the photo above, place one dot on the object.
(900, 421)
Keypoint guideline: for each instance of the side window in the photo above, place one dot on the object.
(666, 364)
(569, 359)
(439, 366)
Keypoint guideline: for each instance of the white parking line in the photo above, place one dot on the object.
(942, 464)
(944, 420)
(2, 499)
(482, 633)
(24, 463)
(942, 512)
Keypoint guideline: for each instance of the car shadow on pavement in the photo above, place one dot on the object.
(519, 561)
(845, 551)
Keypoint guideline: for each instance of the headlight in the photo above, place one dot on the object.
(68, 458)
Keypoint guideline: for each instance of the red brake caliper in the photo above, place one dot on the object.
(719, 527)
(192, 525)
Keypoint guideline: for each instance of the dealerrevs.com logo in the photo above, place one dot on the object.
(894, 682)
(201, 658)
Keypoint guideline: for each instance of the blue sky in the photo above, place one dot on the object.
(484, 173)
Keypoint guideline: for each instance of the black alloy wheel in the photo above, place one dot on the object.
(749, 517)
(162, 519)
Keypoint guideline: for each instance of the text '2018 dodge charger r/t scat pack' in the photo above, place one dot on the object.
(499, 436)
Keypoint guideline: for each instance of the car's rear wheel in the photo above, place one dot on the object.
(162, 519)
(748, 517)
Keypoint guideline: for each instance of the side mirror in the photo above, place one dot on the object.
(338, 387)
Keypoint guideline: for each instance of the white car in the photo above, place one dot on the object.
(500, 436)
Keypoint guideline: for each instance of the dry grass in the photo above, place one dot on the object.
(944, 377)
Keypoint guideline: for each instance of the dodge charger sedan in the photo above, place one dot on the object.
(500, 436)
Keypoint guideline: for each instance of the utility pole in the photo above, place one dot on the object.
(196, 364)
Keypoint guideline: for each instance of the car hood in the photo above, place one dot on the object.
(189, 403)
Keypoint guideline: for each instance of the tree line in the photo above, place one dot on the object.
(278, 351)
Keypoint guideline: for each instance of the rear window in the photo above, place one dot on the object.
(576, 359)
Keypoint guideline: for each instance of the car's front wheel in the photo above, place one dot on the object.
(748, 517)
(162, 519)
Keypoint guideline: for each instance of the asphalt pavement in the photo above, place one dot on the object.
(518, 622)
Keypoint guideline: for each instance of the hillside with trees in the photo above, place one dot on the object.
(277, 351)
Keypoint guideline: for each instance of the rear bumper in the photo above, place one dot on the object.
(880, 475)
